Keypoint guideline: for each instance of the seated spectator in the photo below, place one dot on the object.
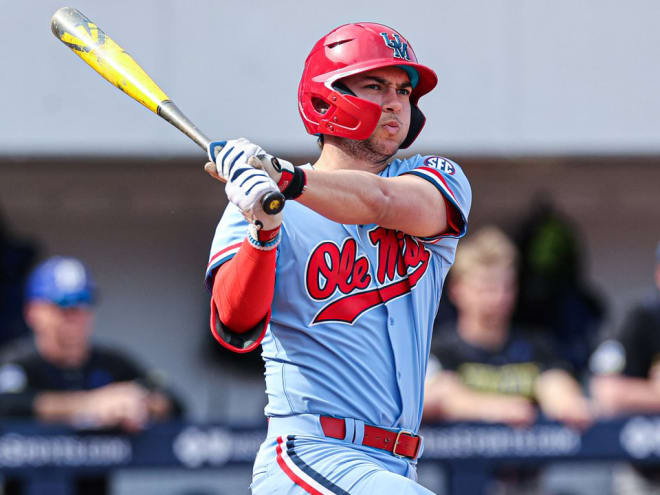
(626, 369)
(485, 369)
(626, 379)
(65, 378)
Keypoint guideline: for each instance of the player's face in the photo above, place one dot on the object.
(61, 334)
(388, 87)
(487, 294)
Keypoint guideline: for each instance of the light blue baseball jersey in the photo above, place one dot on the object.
(353, 309)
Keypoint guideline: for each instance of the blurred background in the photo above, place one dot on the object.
(547, 105)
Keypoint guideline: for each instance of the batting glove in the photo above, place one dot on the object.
(245, 187)
(290, 180)
(227, 155)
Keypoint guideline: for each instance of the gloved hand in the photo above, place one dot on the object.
(233, 153)
(225, 156)
(289, 179)
(263, 229)
(245, 187)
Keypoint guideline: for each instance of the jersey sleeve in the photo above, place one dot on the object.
(448, 177)
(229, 235)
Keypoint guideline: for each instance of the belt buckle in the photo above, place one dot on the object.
(396, 444)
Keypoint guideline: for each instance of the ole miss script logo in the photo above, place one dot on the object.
(338, 275)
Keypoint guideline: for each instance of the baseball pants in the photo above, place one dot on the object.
(296, 458)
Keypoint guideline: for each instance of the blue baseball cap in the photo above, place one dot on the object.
(63, 281)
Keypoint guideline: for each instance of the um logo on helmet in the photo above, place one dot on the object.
(400, 48)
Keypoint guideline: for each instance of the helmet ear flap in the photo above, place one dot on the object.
(350, 117)
(417, 121)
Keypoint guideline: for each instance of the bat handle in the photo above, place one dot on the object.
(272, 202)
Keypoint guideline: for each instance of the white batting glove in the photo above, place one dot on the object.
(264, 230)
(245, 187)
(290, 180)
(232, 154)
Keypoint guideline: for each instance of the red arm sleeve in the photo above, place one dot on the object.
(243, 288)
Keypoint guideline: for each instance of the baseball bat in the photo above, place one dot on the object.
(106, 57)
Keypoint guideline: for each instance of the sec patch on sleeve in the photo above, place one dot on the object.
(442, 164)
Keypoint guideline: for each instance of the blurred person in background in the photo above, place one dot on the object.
(64, 377)
(486, 369)
(626, 379)
(16, 258)
(554, 297)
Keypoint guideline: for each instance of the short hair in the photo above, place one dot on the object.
(488, 247)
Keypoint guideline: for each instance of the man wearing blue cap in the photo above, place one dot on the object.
(67, 379)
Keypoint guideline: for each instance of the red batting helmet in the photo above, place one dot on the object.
(327, 107)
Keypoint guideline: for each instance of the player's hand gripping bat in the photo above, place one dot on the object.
(107, 58)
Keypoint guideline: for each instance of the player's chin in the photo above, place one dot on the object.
(387, 144)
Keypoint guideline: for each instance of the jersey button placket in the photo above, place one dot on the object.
(390, 324)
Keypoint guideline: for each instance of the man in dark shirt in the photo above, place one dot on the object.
(626, 378)
(64, 378)
(485, 370)
(627, 368)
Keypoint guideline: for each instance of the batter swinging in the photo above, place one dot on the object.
(342, 287)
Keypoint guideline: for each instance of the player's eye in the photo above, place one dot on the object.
(373, 86)
(403, 91)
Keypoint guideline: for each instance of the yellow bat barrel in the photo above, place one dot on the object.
(106, 57)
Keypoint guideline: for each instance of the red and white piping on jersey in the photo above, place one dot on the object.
(228, 252)
(434, 174)
(299, 477)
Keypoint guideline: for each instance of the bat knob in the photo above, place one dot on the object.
(272, 203)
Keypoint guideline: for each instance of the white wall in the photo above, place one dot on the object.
(516, 76)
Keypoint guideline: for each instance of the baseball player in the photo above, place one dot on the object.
(342, 287)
